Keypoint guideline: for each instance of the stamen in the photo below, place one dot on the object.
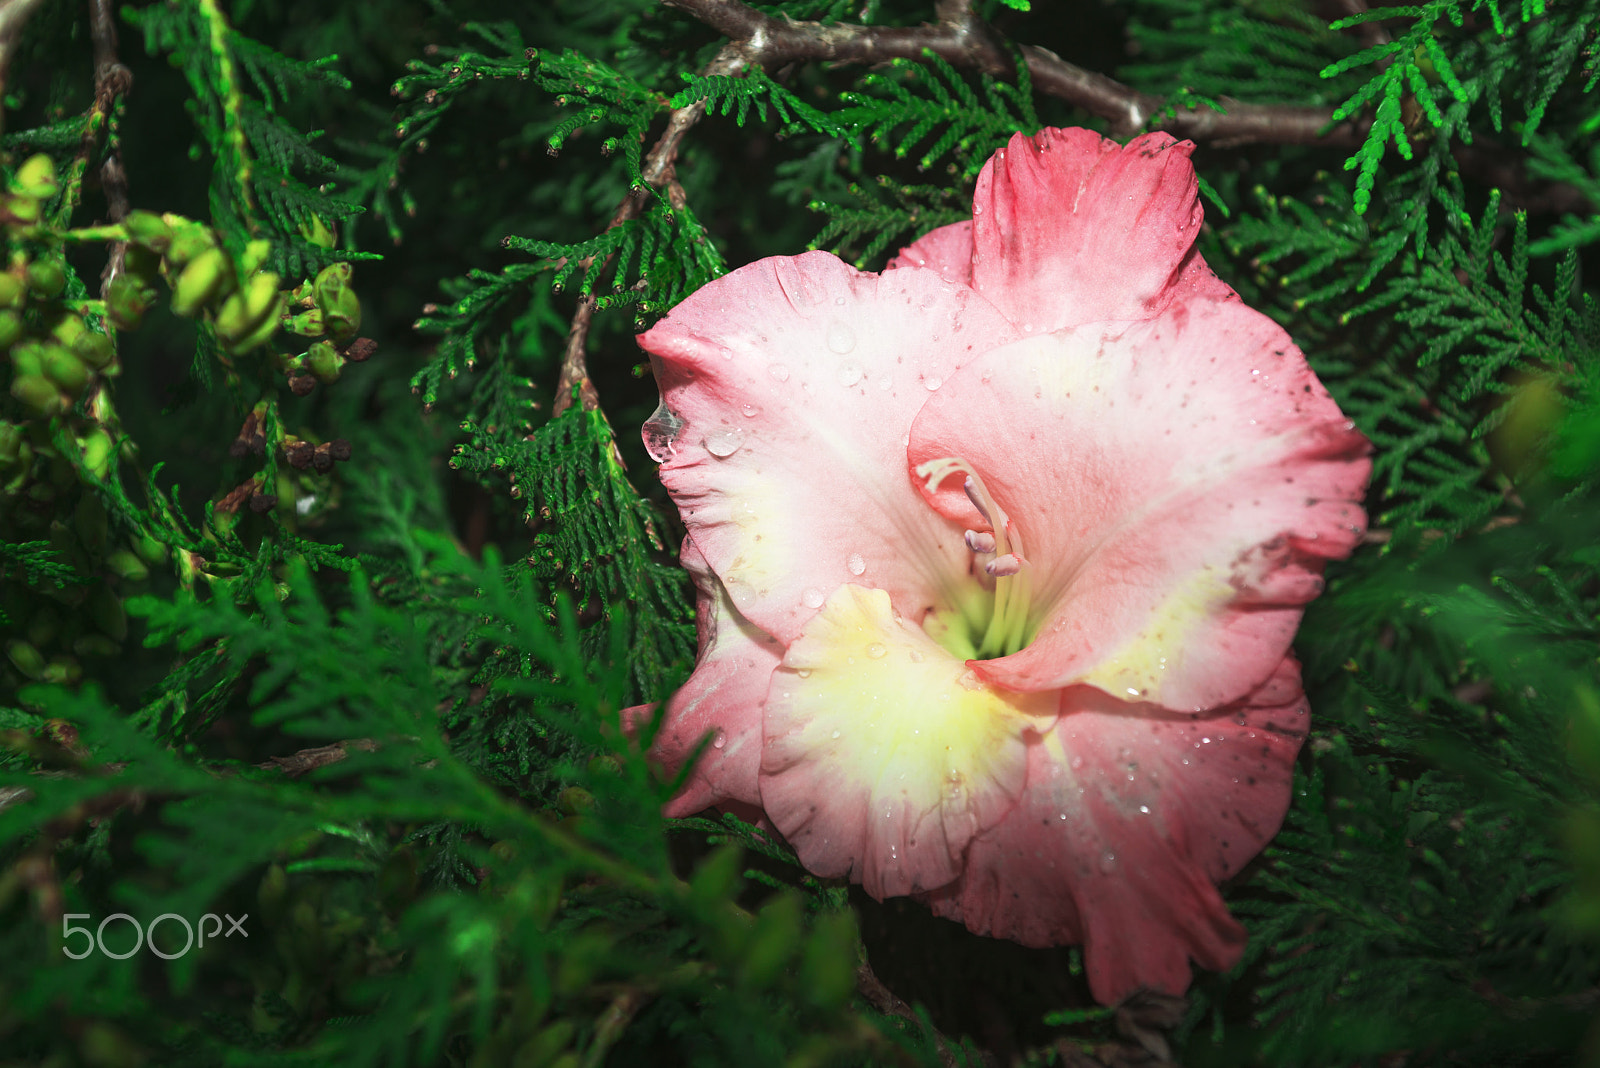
(1005, 631)
(979, 541)
(975, 494)
(1004, 566)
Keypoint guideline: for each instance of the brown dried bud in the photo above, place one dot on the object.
(360, 350)
(321, 459)
(263, 502)
(236, 497)
(339, 449)
(300, 385)
(298, 454)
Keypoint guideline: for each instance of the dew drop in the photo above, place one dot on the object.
(932, 382)
(836, 734)
(839, 301)
(856, 564)
(720, 740)
(841, 339)
(876, 650)
(660, 431)
(1108, 862)
(1145, 809)
(750, 411)
(779, 371)
(1076, 763)
(724, 441)
(804, 673)
(812, 597)
(917, 657)
(849, 373)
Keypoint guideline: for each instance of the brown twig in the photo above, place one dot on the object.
(112, 81)
(962, 39)
(302, 761)
(659, 170)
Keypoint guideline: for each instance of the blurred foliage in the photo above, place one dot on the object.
(315, 613)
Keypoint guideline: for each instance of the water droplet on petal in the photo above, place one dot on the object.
(856, 564)
(660, 431)
(841, 339)
(839, 301)
(1145, 809)
(1108, 862)
(724, 441)
(812, 597)
(835, 734)
(720, 740)
(1076, 762)
(849, 373)
(876, 650)
(917, 657)
(750, 411)
(779, 371)
(932, 382)
(804, 673)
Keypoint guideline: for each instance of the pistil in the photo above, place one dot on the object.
(1005, 630)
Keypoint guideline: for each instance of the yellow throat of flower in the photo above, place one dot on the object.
(992, 620)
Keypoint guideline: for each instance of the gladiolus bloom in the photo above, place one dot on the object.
(999, 555)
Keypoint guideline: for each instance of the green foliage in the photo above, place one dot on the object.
(378, 668)
(912, 102)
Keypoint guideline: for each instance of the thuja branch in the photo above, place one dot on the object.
(659, 171)
(962, 39)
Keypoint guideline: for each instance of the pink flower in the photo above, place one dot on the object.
(999, 555)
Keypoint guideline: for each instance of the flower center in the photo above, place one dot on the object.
(995, 622)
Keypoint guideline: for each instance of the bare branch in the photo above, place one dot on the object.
(659, 170)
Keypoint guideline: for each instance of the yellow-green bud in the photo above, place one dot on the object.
(46, 278)
(323, 361)
(203, 278)
(27, 659)
(148, 229)
(13, 291)
(317, 232)
(127, 300)
(96, 350)
(38, 393)
(307, 323)
(256, 254)
(36, 178)
(25, 210)
(341, 317)
(188, 241)
(10, 327)
(65, 368)
(126, 566)
(97, 452)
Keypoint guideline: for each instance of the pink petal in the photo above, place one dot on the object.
(1130, 815)
(1070, 228)
(1177, 485)
(797, 379)
(947, 250)
(723, 699)
(884, 754)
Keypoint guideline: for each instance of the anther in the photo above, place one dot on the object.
(976, 497)
(1002, 566)
(980, 541)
